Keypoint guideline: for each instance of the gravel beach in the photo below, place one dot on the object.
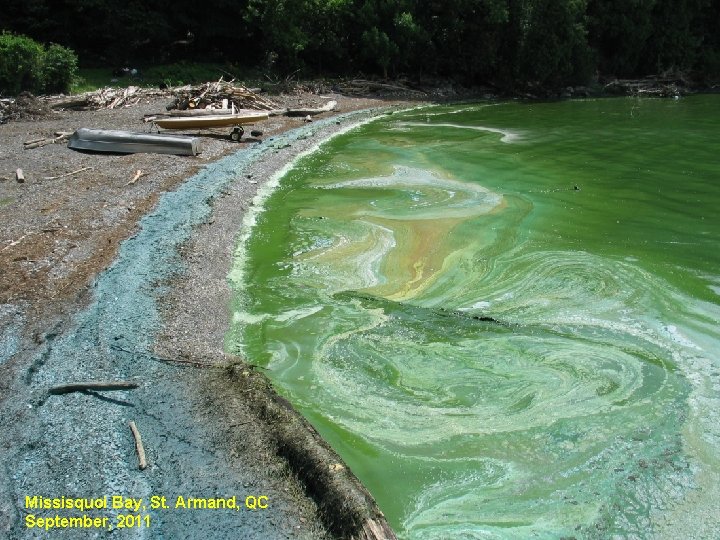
(105, 280)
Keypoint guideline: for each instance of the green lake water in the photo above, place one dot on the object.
(504, 316)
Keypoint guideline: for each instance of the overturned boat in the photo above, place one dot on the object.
(129, 142)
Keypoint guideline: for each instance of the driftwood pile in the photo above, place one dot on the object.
(205, 96)
(650, 86)
(104, 98)
(211, 95)
(363, 87)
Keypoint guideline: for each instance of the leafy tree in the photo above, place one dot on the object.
(676, 37)
(59, 69)
(378, 49)
(554, 49)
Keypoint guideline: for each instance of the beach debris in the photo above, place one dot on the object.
(139, 448)
(135, 178)
(20, 176)
(662, 85)
(101, 386)
(211, 95)
(329, 106)
(60, 136)
(363, 87)
(71, 173)
(104, 98)
(24, 106)
(129, 142)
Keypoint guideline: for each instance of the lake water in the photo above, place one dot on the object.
(505, 316)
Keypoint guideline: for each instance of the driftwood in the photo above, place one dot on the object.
(135, 178)
(211, 95)
(104, 98)
(60, 136)
(20, 176)
(92, 385)
(203, 96)
(659, 86)
(67, 174)
(329, 106)
(363, 87)
(139, 448)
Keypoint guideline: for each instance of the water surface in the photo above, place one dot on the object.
(504, 316)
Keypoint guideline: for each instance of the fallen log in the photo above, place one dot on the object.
(364, 87)
(139, 448)
(329, 106)
(101, 386)
(70, 102)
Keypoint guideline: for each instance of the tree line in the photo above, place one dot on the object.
(508, 43)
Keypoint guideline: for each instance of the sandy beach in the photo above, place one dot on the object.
(107, 280)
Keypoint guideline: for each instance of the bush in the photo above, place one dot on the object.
(26, 65)
(59, 69)
(20, 64)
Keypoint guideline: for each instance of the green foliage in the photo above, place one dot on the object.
(513, 43)
(554, 50)
(59, 69)
(377, 49)
(20, 64)
(27, 65)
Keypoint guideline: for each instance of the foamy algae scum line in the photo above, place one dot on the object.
(505, 316)
(80, 451)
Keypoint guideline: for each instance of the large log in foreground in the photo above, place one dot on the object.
(345, 505)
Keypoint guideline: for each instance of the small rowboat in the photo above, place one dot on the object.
(129, 142)
(203, 122)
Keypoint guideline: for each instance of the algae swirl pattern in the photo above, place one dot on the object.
(451, 298)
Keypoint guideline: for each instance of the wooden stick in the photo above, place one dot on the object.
(92, 385)
(37, 144)
(138, 174)
(20, 176)
(29, 145)
(67, 174)
(142, 462)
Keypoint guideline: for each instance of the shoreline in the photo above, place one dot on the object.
(194, 421)
(196, 326)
